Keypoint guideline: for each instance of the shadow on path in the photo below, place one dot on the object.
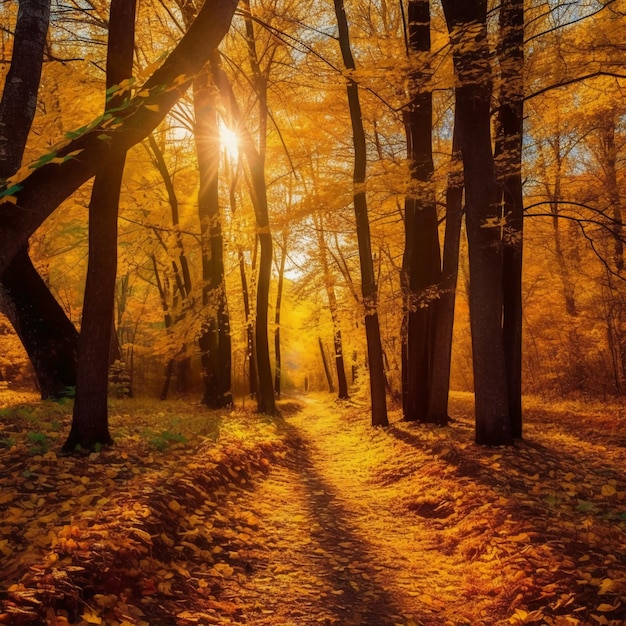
(356, 594)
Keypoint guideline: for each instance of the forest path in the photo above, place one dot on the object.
(338, 548)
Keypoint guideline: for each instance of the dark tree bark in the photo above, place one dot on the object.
(509, 168)
(48, 336)
(214, 341)
(41, 192)
(421, 264)
(256, 164)
(467, 24)
(442, 352)
(368, 278)
(44, 329)
(279, 297)
(90, 422)
(19, 98)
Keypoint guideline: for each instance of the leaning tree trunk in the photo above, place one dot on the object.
(421, 263)
(40, 190)
(48, 336)
(509, 165)
(368, 279)
(90, 424)
(467, 25)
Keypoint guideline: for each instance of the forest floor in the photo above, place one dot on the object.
(203, 517)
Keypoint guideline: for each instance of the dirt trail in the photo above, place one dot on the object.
(337, 549)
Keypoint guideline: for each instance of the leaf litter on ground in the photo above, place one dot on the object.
(204, 517)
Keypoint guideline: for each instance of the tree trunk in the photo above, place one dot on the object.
(45, 186)
(467, 25)
(327, 372)
(368, 280)
(442, 352)
(44, 329)
(90, 423)
(279, 297)
(48, 336)
(509, 169)
(214, 339)
(421, 264)
(342, 382)
(256, 165)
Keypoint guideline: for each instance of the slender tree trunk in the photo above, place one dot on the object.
(327, 372)
(421, 264)
(279, 297)
(342, 382)
(509, 169)
(256, 165)
(244, 290)
(440, 379)
(467, 25)
(48, 336)
(368, 280)
(90, 424)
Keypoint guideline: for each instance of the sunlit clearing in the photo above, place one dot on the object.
(229, 141)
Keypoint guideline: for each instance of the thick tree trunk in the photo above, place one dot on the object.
(467, 24)
(49, 338)
(46, 333)
(214, 340)
(47, 185)
(442, 352)
(421, 264)
(509, 169)
(368, 280)
(90, 423)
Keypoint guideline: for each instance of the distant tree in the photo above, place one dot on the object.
(329, 284)
(279, 297)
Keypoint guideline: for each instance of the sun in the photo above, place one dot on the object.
(229, 141)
